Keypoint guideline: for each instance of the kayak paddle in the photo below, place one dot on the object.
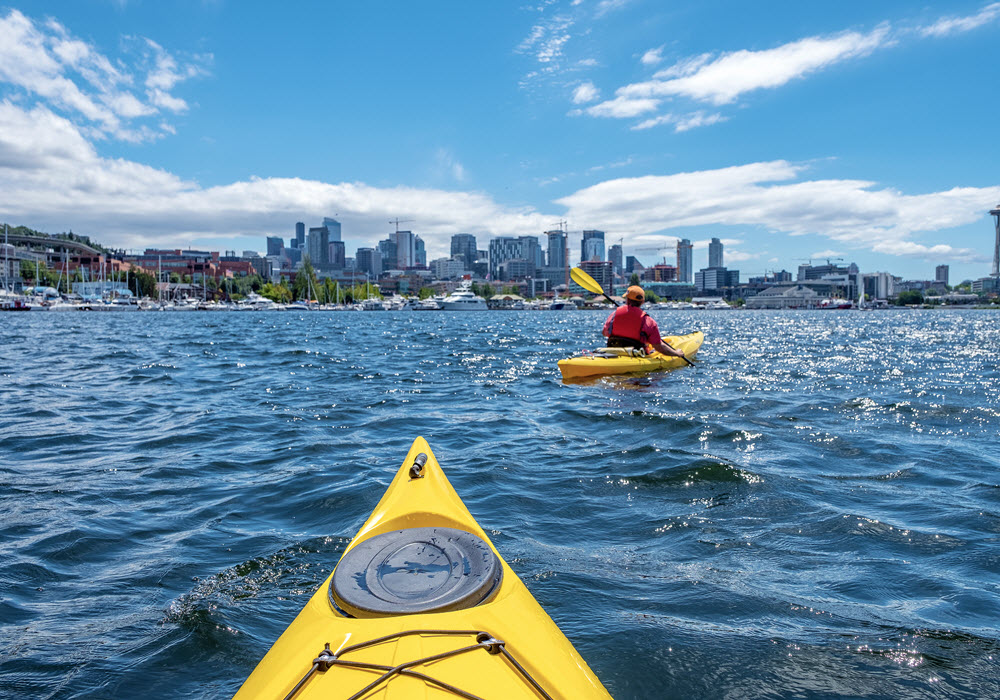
(592, 285)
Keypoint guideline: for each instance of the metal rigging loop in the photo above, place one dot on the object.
(484, 640)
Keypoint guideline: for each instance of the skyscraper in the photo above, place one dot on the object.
(715, 253)
(685, 267)
(505, 248)
(464, 244)
(333, 227)
(318, 246)
(369, 261)
(275, 245)
(996, 246)
(592, 246)
(300, 235)
(941, 274)
(556, 248)
(406, 249)
(615, 257)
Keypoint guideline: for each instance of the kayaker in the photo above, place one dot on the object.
(630, 327)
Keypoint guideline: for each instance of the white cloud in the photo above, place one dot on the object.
(681, 123)
(652, 57)
(623, 107)
(44, 62)
(770, 196)
(724, 79)
(955, 25)
(54, 179)
(585, 92)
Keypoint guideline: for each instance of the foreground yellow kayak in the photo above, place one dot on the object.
(620, 361)
(422, 605)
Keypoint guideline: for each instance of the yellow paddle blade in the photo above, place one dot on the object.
(586, 281)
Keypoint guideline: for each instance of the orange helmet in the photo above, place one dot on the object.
(635, 293)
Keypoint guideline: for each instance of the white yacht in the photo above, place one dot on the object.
(372, 304)
(462, 299)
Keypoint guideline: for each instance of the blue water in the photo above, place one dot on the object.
(813, 511)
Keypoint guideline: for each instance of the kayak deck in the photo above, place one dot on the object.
(598, 364)
(503, 647)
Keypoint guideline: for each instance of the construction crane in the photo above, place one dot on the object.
(399, 221)
(658, 249)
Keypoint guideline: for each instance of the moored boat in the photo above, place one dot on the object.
(422, 605)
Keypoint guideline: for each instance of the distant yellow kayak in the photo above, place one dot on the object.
(619, 361)
(422, 605)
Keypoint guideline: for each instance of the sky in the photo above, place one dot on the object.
(793, 131)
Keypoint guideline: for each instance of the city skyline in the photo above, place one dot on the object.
(810, 133)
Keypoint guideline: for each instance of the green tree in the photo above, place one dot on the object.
(306, 284)
(426, 293)
(633, 280)
(909, 298)
(143, 284)
(487, 291)
(279, 293)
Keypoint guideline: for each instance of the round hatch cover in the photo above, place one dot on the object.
(417, 570)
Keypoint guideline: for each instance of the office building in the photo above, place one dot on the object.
(275, 246)
(504, 248)
(592, 245)
(685, 266)
(615, 258)
(716, 278)
(464, 244)
(632, 264)
(337, 255)
(387, 252)
(600, 270)
(332, 227)
(318, 246)
(300, 236)
(995, 213)
(714, 254)
(941, 274)
(420, 252)
(368, 261)
(556, 248)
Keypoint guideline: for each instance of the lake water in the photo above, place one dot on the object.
(812, 511)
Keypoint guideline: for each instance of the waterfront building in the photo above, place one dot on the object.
(615, 257)
(685, 266)
(556, 248)
(785, 297)
(941, 274)
(275, 245)
(592, 245)
(879, 285)
(714, 254)
(448, 268)
(716, 278)
(464, 244)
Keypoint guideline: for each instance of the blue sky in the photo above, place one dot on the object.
(790, 130)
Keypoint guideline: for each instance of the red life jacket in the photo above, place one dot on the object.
(627, 323)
